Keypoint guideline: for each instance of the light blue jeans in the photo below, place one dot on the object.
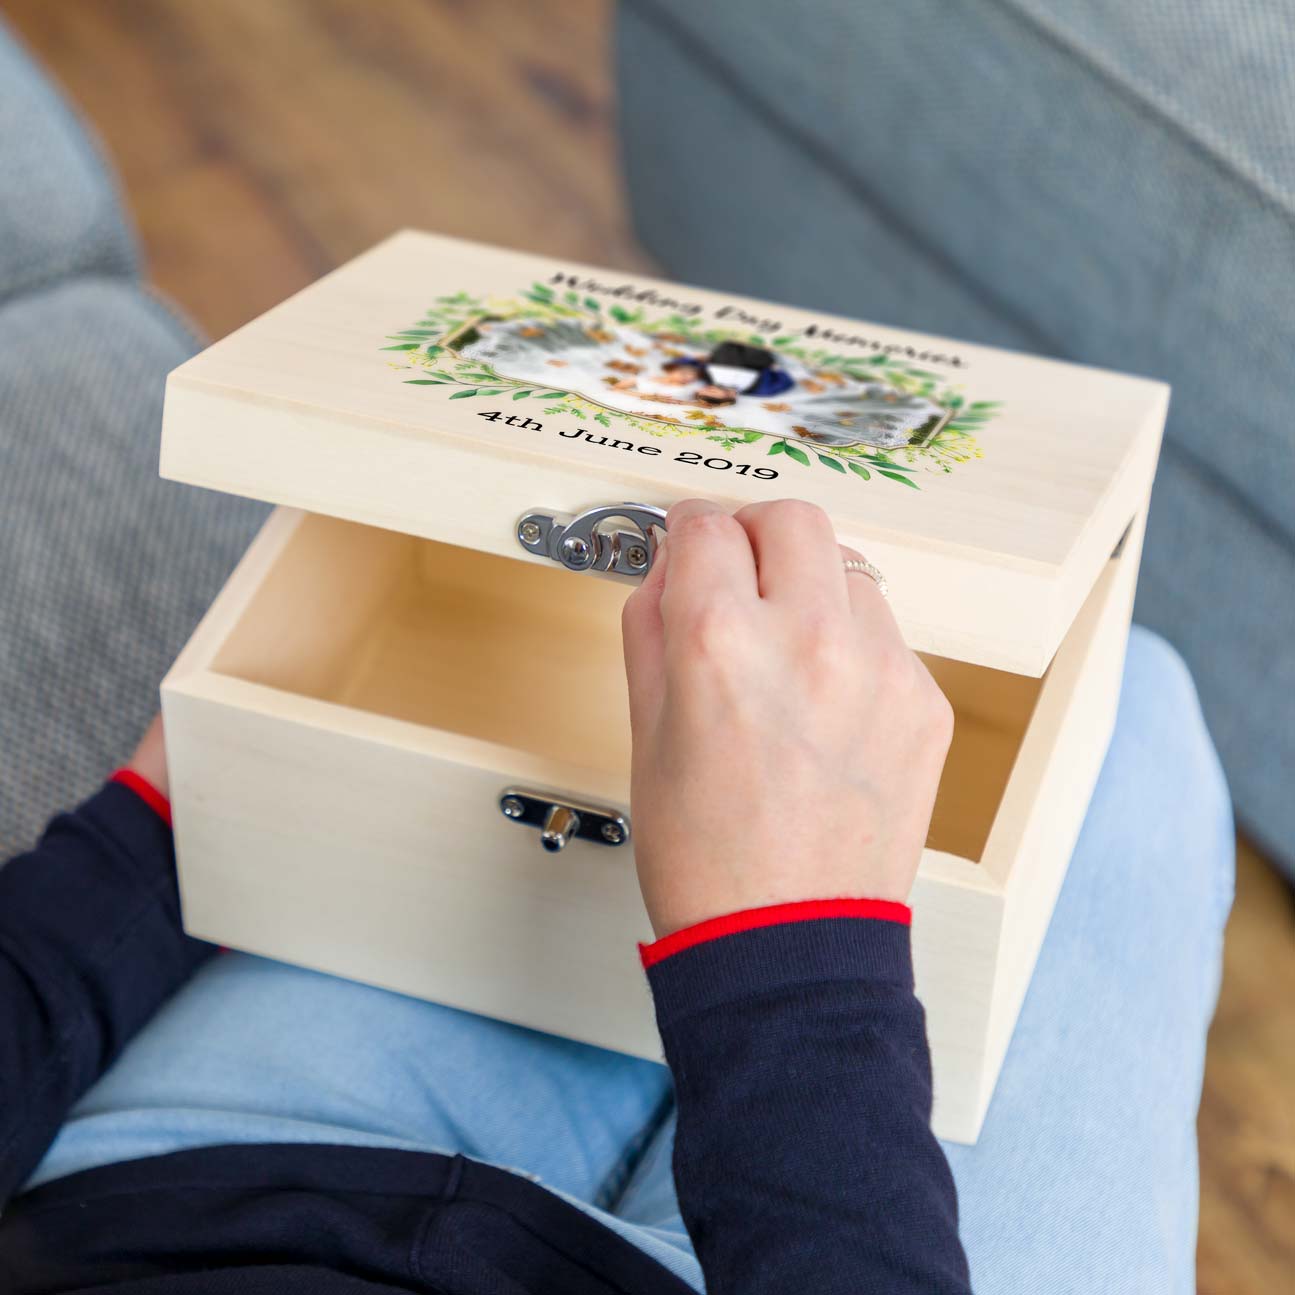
(1083, 1180)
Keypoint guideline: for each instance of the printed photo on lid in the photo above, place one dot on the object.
(637, 372)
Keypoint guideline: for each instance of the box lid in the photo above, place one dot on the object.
(446, 389)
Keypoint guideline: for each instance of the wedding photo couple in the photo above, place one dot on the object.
(660, 375)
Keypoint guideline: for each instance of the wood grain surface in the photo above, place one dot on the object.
(989, 565)
(263, 144)
(230, 125)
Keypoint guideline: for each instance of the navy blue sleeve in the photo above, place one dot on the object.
(90, 946)
(804, 1157)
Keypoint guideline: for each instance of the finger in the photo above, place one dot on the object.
(710, 556)
(643, 636)
(796, 553)
(867, 603)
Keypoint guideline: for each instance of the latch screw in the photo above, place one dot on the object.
(513, 807)
(636, 555)
(613, 833)
(529, 532)
(576, 551)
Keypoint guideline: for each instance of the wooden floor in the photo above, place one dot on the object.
(262, 142)
(1247, 1119)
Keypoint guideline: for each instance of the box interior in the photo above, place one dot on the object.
(529, 657)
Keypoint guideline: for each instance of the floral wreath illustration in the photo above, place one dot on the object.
(871, 415)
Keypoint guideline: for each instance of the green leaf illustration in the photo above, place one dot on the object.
(445, 365)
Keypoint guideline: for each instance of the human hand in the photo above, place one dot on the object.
(149, 760)
(787, 743)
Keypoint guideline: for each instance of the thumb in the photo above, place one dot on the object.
(643, 635)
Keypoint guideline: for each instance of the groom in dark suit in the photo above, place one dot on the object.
(735, 369)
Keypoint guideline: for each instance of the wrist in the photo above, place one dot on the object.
(800, 957)
(685, 897)
(146, 790)
(780, 914)
(149, 759)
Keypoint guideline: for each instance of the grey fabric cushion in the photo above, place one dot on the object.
(59, 213)
(1218, 582)
(1088, 180)
(104, 568)
(1117, 182)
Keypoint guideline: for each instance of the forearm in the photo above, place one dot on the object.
(804, 1157)
(90, 946)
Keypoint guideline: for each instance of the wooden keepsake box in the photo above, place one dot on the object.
(413, 681)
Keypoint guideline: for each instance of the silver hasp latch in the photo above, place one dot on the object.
(592, 541)
(561, 818)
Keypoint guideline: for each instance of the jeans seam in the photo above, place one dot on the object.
(612, 1189)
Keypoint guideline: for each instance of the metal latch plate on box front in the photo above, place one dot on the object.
(591, 541)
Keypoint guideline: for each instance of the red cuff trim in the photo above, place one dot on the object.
(145, 791)
(752, 919)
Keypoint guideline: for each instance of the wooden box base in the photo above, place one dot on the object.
(343, 721)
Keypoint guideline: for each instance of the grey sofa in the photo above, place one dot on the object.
(1036, 177)
(104, 569)
(1105, 182)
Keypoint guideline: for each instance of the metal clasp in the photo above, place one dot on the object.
(561, 818)
(586, 542)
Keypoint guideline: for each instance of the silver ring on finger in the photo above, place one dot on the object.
(865, 568)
